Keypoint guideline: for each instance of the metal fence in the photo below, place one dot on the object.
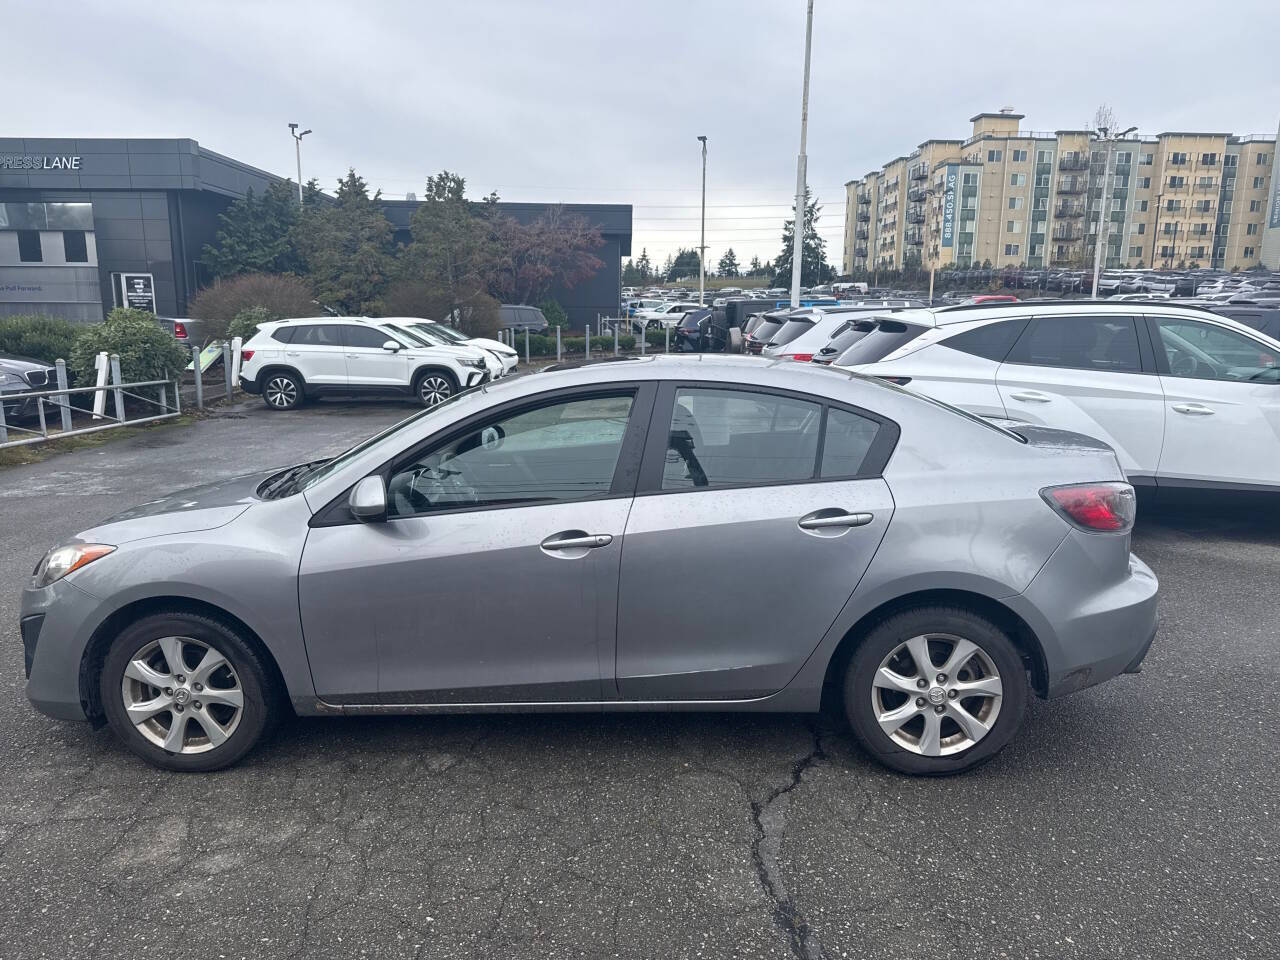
(35, 407)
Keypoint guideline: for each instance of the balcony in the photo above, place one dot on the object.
(1073, 184)
(1206, 186)
(861, 233)
(864, 200)
(864, 216)
(1069, 209)
(859, 251)
(920, 172)
(1073, 161)
(915, 216)
(917, 194)
(915, 237)
(1067, 234)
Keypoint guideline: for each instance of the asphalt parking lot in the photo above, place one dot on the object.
(1137, 819)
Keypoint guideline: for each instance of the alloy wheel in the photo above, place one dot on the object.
(182, 695)
(281, 392)
(936, 694)
(434, 389)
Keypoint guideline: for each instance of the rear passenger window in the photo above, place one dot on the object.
(991, 341)
(319, 335)
(721, 438)
(1082, 343)
(847, 441)
(283, 334)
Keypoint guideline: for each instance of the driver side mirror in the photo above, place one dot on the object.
(368, 500)
(392, 346)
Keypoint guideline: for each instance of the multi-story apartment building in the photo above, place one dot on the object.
(1009, 196)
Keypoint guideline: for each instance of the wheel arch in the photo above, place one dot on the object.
(1019, 631)
(434, 367)
(100, 640)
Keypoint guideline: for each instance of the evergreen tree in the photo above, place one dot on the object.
(728, 266)
(347, 247)
(814, 268)
(756, 269)
(644, 267)
(685, 264)
(255, 234)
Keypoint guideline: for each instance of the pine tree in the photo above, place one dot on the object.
(256, 234)
(644, 266)
(728, 266)
(814, 268)
(347, 247)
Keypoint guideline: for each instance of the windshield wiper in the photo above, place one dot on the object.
(282, 484)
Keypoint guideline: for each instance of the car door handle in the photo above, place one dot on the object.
(1030, 396)
(1193, 409)
(292, 353)
(558, 541)
(812, 522)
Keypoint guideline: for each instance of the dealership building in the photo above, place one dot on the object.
(86, 225)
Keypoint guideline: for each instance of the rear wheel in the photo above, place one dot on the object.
(282, 390)
(185, 692)
(935, 690)
(434, 386)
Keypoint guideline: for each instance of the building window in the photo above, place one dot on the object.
(1147, 159)
(1144, 183)
(1255, 206)
(1044, 156)
(1013, 226)
(970, 180)
(1257, 183)
(29, 247)
(1142, 228)
(1223, 229)
(1196, 251)
(1231, 159)
(1142, 205)
(1166, 251)
(1015, 203)
(1019, 156)
(1098, 157)
(74, 246)
(1251, 230)
(1176, 182)
(1248, 253)
(1010, 249)
(1123, 156)
(1042, 180)
(1209, 159)
(995, 156)
(1263, 160)
(1172, 205)
(1017, 179)
(1042, 203)
(1178, 159)
(1226, 206)
(1135, 252)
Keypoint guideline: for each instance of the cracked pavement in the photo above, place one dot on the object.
(1137, 819)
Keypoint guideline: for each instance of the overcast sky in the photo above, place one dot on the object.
(601, 100)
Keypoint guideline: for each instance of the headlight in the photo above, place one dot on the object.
(468, 362)
(60, 561)
(6, 378)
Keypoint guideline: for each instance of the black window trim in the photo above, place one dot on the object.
(655, 450)
(337, 513)
(366, 328)
(1146, 362)
(1025, 321)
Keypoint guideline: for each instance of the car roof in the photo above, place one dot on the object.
(963, 313)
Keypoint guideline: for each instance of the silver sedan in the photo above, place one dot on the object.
(710, 533)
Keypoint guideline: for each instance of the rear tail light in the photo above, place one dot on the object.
(803, 357)
(180, 330)
(246, 356)
(900, 381)
(1094, 507)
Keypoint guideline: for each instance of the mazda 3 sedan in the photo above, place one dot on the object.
(529, 545)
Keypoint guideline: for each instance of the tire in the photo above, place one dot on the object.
(282, 390)
(909, 747)
(148, 645)
(434, 386)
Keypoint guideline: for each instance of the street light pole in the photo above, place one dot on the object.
(1104, 214)
(797, 244)
(702, 245)
(297, 145)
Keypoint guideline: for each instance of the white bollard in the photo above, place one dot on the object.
(100, 366)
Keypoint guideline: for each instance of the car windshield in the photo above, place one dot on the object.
(792, 329)
(847, 335)
(886, 337)
(413, 336)
(448, 333)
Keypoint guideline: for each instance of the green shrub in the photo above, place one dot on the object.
(556, 317)
(147, 351)
(39, 337)
(245, 324)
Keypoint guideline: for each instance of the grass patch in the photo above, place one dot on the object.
(37, 452)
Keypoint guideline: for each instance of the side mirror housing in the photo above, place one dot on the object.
(368, 500)
(392, 346)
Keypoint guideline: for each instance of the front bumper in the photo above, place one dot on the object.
(64, 618)
(18, 406)
(1092, 624)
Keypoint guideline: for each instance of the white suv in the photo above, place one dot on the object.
(1186, 398)
(290, 360)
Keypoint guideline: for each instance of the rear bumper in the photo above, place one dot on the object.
(1092, 625)
(250, 385)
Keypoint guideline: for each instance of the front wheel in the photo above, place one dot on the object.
(434, 387)
(185, 692)
(935, 690)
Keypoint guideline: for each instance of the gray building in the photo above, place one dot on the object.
(86, 225)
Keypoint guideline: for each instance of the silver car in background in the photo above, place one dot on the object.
(577, 540)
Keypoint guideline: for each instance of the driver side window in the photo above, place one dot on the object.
(553, 453)
(1204, 351)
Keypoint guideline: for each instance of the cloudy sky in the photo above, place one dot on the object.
(602, 100)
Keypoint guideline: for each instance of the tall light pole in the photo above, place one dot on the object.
(702, 246)
(297, 144)
(1104, 214)
(797, 244)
